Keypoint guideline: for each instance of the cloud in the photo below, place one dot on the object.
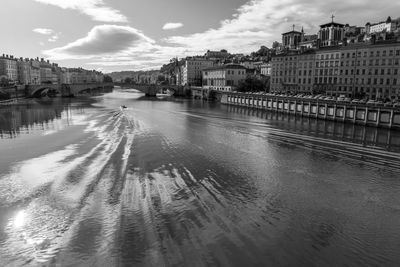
(260, 22)
(96, 9)
(256, 23)
(172, 25)
(104, 40)
(43, 31)
(54, 37)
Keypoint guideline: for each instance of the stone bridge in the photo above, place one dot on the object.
(67, 90)
(154, 89)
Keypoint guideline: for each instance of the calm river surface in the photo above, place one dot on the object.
(188, 183)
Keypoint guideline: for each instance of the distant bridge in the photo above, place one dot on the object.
(153, 89)
(66, 90)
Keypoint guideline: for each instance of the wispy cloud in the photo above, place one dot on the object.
(259, 22)
(96, 9)
(172, 25)
(54, 37)
(103, 40)
(43, 31)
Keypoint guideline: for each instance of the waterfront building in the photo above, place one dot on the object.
(9, 68)
(192, 70)
(35, 71)
(223, 78)
(24, 71)
(178, 74)
(46, 73)
(359, 70)
(293, 72)
(65, 76)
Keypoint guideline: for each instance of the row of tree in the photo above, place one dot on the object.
(254, 84)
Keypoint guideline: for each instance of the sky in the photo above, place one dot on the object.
(117, 35)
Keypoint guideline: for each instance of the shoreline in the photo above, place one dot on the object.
(380, 117)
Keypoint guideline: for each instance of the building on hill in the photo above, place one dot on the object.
(223, 54)
(265, 69)
(384, 26)
(309, 41)
(331, 34)
(292, 39)
(191, 72)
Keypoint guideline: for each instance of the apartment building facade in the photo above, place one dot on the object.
(223, 78)
(192, 71)
(365, 70)
(9, 68)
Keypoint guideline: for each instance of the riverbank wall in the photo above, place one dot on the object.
(385, 117)
(12, 92)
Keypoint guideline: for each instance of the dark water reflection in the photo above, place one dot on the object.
(367, 136)
(35, 114)
(171, 182)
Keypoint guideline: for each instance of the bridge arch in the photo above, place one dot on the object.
(45, 90)
(152, 90)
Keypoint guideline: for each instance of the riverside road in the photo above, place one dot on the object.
(169, 182)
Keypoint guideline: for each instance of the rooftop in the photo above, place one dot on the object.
(331, 24)
(297, 32)
(225, 67)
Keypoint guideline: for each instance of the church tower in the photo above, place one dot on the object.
(331, 34)
(292, 39)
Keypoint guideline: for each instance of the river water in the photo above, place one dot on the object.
(171, 182)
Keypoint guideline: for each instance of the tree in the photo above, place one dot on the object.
(252, 84)
(128, 80)
(107, 79)
(160, 78)
(275, 45)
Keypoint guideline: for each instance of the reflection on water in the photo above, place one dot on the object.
(174, 182)
(367, 136)
(41, 115)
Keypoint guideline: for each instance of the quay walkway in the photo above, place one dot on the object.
(385, 117)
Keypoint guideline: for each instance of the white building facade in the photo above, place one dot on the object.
(192, 71)
(223, 78)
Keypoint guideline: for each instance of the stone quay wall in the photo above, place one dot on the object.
(386, 117)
